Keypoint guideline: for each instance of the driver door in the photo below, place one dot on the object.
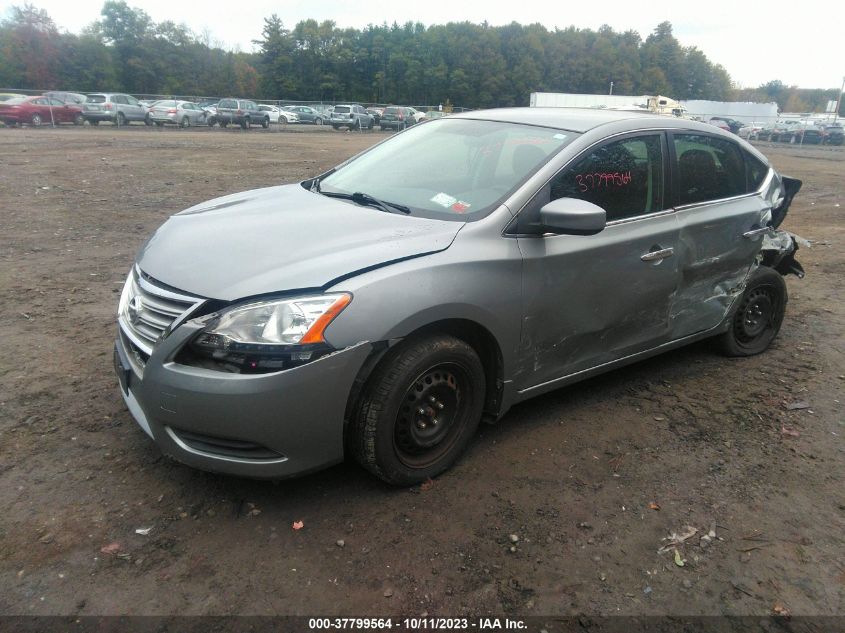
(590, 300)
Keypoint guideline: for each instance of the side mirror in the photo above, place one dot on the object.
(570, 216)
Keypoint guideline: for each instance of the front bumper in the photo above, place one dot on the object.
(265, 426)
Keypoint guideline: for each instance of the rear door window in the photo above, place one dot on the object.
(625, 177)
(708, 168)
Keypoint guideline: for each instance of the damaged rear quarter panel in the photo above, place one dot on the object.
(714, 260)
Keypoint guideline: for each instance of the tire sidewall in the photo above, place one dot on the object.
(381, 418)
(762, 278)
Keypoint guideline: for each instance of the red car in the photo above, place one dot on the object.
(37, 111)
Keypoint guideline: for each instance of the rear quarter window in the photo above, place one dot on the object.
(755, 172)
(227, 103)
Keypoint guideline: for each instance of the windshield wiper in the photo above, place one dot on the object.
(364, 198)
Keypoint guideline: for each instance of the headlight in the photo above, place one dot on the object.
(270, 335)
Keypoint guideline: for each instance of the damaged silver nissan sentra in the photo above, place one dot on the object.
(384, 308)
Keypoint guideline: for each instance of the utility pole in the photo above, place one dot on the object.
(611, 88)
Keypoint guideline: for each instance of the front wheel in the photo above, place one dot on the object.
(36, 120)
(419, 410)
(120, 119)
(185, 122)
(246, 124)
(79, 120)
(759, 316)
(318, 121)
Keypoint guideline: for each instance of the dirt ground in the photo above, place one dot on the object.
(589, 479)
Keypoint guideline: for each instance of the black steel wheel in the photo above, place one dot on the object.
(759, 315)
(419, 410)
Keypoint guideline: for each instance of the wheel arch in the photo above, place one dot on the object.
(471, 332)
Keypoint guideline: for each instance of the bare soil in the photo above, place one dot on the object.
(590, 480)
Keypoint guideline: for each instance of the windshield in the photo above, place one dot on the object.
(449, 168)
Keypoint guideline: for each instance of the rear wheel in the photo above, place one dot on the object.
(79, 120)
(265, 123)
(246, 124)
(318, 121)
(759, 316)
(419, 409)
(120, 119)
(223, 123)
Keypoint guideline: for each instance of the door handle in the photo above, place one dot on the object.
(755, 232)
(654, 256)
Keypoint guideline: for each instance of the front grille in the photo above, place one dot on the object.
(147, 309)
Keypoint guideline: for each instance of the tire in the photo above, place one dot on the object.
(159, 123)
(148, 120)
(36, 120)
(265, 122)
(757, 319)
(79, 120)
(120, 119)
(94, 122)
(356, 126)
(318, 121)
(246, 124)
(419, 384)
(185, 122)
(223, 123)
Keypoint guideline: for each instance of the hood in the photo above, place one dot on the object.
(282, 238)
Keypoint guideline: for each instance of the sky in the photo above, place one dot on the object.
(755, 41)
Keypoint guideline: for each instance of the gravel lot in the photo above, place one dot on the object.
(559, 509)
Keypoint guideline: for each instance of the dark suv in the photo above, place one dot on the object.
(240, 112)
(396, 117)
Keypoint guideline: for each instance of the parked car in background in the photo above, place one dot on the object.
(783, 131)
(241, 112)
(833, 134)
(417, 115)
(808, 135)
(376, 114)
(5, 96)
(381, 310)
(278, 115)
(306, 114)
(749, 130)
(175, 112)
(37, 111)
(396, 118)
(118, 108)
(74, 98)
(351, 116)
(732, 124)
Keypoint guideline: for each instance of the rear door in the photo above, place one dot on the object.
(721, 219)
(589, 300)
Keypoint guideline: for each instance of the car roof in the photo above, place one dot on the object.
(580, 119)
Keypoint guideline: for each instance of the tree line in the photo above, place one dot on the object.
(469, 65)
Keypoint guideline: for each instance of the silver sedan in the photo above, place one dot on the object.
(181, 113)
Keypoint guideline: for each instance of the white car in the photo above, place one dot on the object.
(418, 116)
(750, 130)
(278, 115)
